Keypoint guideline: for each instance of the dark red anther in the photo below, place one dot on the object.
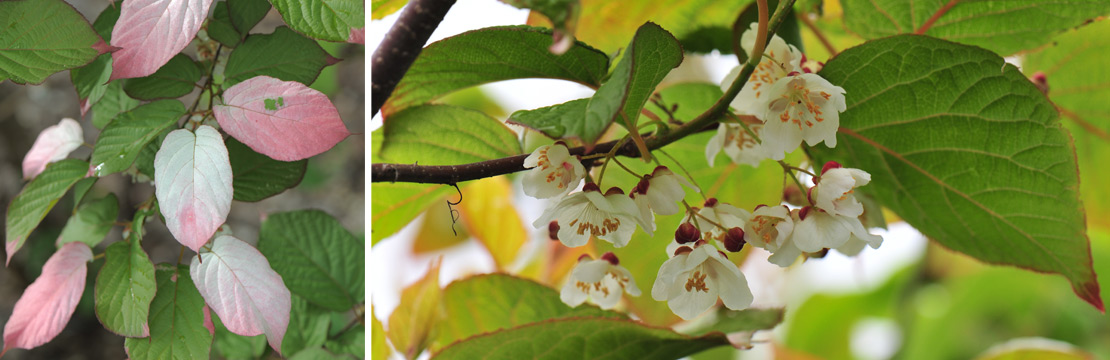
(611, 258)
(687, 233)
(734, 239)
(553, 230)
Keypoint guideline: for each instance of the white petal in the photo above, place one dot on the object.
(590, 271)
(733, 287)
(609, 293)
(779, 137)
(689, 304)
(645, 210)
(852, 247)
(667, 274)
(717, 142)
(630, 286)
(571, 294)
(533, 159)
(785, 255)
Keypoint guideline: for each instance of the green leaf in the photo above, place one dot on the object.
(445, 135)
(394, 205)
(282, 54)
(234, 346)
(91, 222)
(608, 27)
(257, 176)
(1035, 348)
(91, 80)
(379, 9)
(124, 289)
(176, 78)
(318, 353)
(380, 349)
(245, 14)
(317, 258)
(144, 163)
(330, 20)
(582, 338)
(114, 102)
(106, 21)
(40, 38)
(1005, 27)
(491, 302)
(37, 198)
(493, 54)
(651, 55)
(353, 342)
(220, 28)
(729, 321)
(1079, 85)
(965, 149)
(80, 189)
(308, 327)
(563, 14)
(124, 138)
(176, 320)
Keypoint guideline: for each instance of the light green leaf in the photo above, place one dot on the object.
(176, 320)
(176, 78)
(491, 302)
(330, 20)
(234, 346)
(282, 54)
(1079, 84)
(394, 205)
(729, 321)
(381, 8)
(318, 353)
(317, 258)
(40, 38)
(91, 222)
(37, 198)
(124, 289)
(257, 176)
(123, 138)
(445, 135)
(308, 327)
(1002, 26)
(114, 102)
(493, 54)
(965, 149)
(1035, 348)
(651, 55)
(608, 27)
(582, 338)
(380, 349)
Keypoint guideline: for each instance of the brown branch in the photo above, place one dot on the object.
(932, 19)
(453, 174)
(401, 46)
(804, 18)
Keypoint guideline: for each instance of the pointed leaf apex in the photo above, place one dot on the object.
(102, 47)
(329, 61)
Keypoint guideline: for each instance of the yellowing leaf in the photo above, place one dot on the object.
(489, 215)
(435, 230)
(413, 324)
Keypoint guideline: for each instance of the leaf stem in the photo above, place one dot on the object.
(804, 18)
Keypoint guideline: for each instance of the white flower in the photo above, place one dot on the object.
(554, 172)
(817, 230)
(800, 107)
(611, 217)
(833, 192)
(740, 146)
(659, 192)
(603, 280)
(769, 227)
(693, 279)
(717, 213)
(779, 59)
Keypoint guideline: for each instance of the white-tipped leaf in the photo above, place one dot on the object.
(192, 180)
(238, 284)
(46, 306)
(53, 144)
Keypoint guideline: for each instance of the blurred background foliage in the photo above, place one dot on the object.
(937, 305)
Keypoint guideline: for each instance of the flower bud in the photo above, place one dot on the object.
(710, 202)
(553, 230)
(682, 250)
(686, 233)
(611, 258)
(794, 196)
(584, 257)
(819, 254)
(734, 239)
(591, 187)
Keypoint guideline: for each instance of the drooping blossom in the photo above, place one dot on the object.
(779, 59)
(659, 192)
(554, 171)
(602, 280)
(715, 213)
(818, 230)
(737, 143)
(695, 277)
(833, 192)
(611, 217)
(800, 107)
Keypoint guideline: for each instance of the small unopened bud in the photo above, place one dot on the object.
(804, 212)
(614, 190)
(584, 257)
(710, 202)
(591, 187)
(793, 195)
(553, 230)
(611, 258)
(734, 239)
(1041, 81)
(682, 250)
(829, 166)
(700, 243)
(687, 233)
(641, 187)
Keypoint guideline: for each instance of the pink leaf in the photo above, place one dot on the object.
(358, 36)
(53, 144)
(238, 284)
(192, 177)
(46, 306)
(150, 32)
(284, 120)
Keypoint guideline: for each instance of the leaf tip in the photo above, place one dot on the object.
(330, 60)
(102, 47)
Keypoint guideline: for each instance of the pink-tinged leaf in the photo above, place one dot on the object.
(238, 284)
(192, 180)
(46, 306)
(53, 144)
(284, 120)
(358, 36)
(208, 321)
(150, 32)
